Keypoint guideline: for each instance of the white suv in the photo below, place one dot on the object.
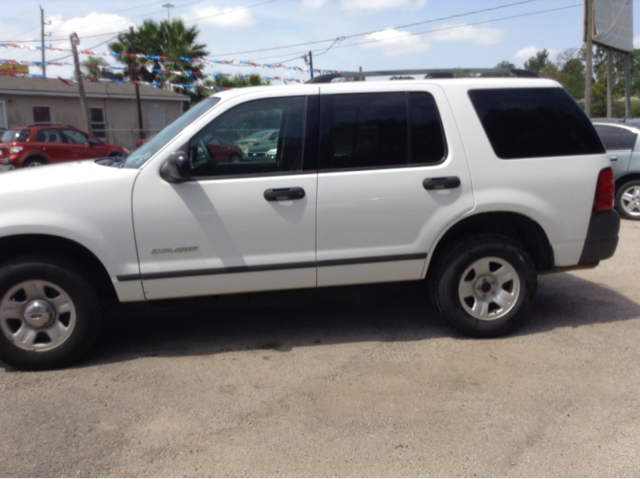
(475, 185)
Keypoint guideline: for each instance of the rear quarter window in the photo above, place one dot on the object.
(534, 123)
(15, 135)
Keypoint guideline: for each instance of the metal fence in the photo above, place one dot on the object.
(125, 138)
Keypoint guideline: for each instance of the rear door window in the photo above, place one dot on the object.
(627, 140)
(50, 135)
(609, 136)
(380, 130)
(534, 122)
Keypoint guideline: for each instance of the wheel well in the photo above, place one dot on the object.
(512, 225)
(31, 157)
(13, 246)
(623, 179)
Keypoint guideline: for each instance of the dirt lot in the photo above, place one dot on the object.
(359, 381)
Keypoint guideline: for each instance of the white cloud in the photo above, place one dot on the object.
(92, 24)
(636, 42)
(479, 36)
(221, 17)
(312, 4)
(356, 6)
(396, 42)
(528, 52)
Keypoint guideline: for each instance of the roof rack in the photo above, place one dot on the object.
(434, 73)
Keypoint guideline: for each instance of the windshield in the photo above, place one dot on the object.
(14, 135)
(148, 149)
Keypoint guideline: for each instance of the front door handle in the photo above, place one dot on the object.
(443, 183)
(283, 194)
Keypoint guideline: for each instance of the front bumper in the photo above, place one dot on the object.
(602, 237)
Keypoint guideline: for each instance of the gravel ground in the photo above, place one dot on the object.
(361, 381)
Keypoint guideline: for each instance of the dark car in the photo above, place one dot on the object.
(41, 145)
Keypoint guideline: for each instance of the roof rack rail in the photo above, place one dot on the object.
(435, 73)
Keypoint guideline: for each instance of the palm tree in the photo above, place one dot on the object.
(169, 43)
(92, 67)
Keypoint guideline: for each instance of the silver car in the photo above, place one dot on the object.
(620, 138)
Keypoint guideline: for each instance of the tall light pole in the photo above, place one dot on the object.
(168, 6)
(42, 35)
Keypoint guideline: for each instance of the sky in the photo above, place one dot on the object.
(343, 35)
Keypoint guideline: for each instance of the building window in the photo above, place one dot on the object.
(3, 116)
(41, 115)
(98, 125)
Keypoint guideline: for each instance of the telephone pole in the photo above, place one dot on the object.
(42, 35)
(75, 41)
(589, 59)
(134, 74)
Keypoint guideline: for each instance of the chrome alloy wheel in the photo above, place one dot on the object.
(630, 200)
(489, 288)
(37, 315)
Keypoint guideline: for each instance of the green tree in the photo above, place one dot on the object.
(92, 67)
(537, 62)
(599, 92)
(505, 64)
(236, 81)
(170, 43)
(571, 75)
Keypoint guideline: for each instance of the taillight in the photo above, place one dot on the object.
(605, 191)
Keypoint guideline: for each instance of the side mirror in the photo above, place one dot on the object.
(176, 168)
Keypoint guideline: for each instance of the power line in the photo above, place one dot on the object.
(462, 26)
(427, 31)
(346, 37)
(199, 18)
(25, 12)
(143, 15)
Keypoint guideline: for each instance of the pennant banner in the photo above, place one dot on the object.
(239, 63)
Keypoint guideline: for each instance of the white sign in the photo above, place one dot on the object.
(613, 24)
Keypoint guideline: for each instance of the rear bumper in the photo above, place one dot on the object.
(602, 237)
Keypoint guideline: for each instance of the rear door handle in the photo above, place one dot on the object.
(283, 194)
(443, 183)
(613, 158)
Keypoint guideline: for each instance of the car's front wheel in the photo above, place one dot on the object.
(628, 200)
(50, 314)
(484, 286)
(34, 161)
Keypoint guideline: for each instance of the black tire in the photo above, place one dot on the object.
(34, 161)
(50, 315)
(114, 154)
(628, 200)
(485, 286)
(235, 158)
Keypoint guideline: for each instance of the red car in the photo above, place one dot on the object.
(222, 151)
(41, 145)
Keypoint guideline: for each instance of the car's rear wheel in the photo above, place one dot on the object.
(628, 200)
(235, 158)
(485, 286)
(34, 161)
(50, 314)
